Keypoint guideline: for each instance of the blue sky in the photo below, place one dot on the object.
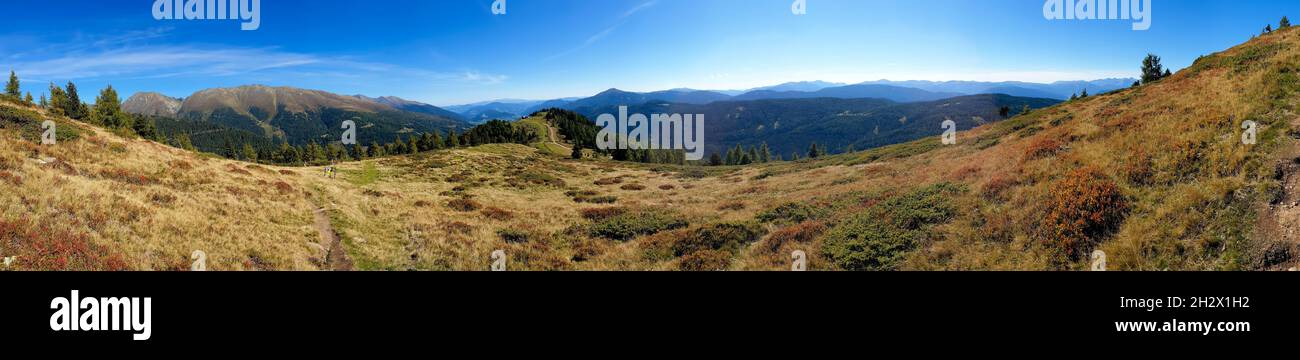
(449, 52)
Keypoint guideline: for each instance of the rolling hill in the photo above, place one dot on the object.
(792, 125)
(1158, 177)
(299, 116)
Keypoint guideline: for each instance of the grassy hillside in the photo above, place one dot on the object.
(1156, 176)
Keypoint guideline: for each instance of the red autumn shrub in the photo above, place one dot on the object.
(1083, 207)
(42, 247)
(1041, 148)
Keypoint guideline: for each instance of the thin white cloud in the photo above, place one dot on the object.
(604, 33)
(179, 61)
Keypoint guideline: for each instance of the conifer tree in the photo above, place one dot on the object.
(11, 88)
(74, 108)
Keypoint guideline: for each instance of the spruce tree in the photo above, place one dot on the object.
(715, 159)
(11, 88)
(250, 153)
(814, 152)
(58, 100)
(1084, 94)
(1286, 23)
(74, 108)
(764, 153)
(108, 109)
(357, 152)
(44, 102)
(144, 127)
(577, 152)
(183, 141)
(1151, 69)
(28, 99)
(453, 141)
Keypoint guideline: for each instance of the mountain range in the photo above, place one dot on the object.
(791, 125)
(899, 91)
(299, 116)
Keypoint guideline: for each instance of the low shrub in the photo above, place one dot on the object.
(513, 236)
(705, 260)
(1042, 148)
(497, 214)
(127, 176)
(792, 213)
(1083, 207)
(633, 187)
(731, 206)
(721, 236)
(598, 214)
(635, 223)
(801, 233)
(464, 205)
(882, 236)
(42, 247)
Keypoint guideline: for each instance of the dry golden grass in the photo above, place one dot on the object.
(1194, 192)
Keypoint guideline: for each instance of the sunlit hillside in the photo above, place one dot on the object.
(1156, 176)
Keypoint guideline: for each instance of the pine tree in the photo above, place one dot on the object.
(1074, 96)
(108, 109)
(183, 141)
(1025, 110)
(74, 108)
(414, 146)
(1151, 69)
(144, 127)
(44, 102)
(1286, 23)
(794, 156)
(58, 100)
(28, 99)
(1084, 94)
(577, 152)
(11, 88)
(376, 150)
(753, 154)
(715, 159)
(453, 141)
(1167, 74)
(228, 150)
(814, 152)
(1268, 28)
(250, 153)
(437, 141)
(764, 153)
(357, 152)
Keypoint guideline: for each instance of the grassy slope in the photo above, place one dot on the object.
(1193, 194)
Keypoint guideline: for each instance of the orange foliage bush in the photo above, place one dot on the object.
(802, 233)
(41, 247)
(1041, 148)
(1083, 207)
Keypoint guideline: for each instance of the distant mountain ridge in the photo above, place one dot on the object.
(792, 125)
(152, 104)
(299, 116)
(901, 91)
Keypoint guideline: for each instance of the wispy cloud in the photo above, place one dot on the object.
(128, 61)
(622, 19)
